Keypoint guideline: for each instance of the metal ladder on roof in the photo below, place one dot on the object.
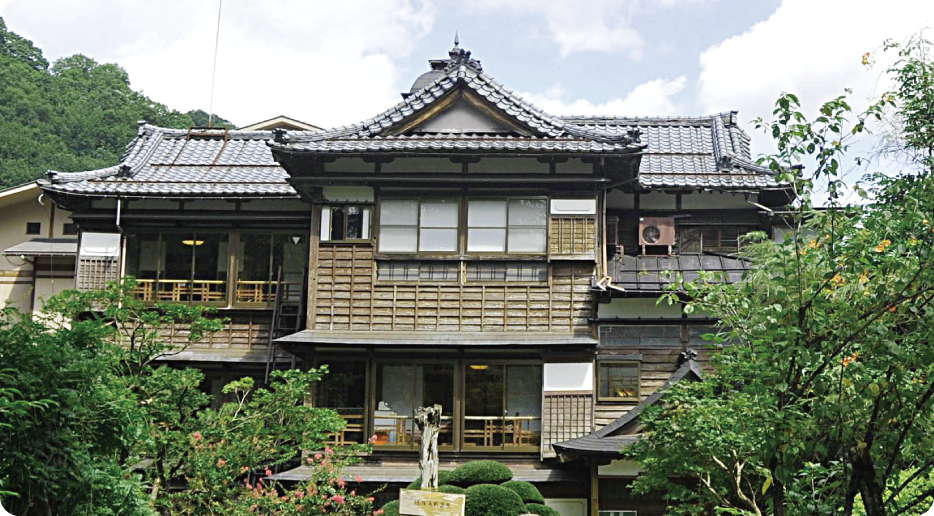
(286, 319)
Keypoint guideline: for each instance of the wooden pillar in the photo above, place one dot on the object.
(594, 490)
(313, 239)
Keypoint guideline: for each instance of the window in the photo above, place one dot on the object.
(70, 228)
(506, 226)
(519, 272)
(502, 406)
(261, 256)
(350, 222)
(618, 381)
(179, 267)
(400, 390)
(388, 270)
(33, 228)
(700, 239)
(343, 390)
(409, 226)
(619, 513)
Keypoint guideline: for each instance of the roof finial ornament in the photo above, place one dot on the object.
(460, 57)
(457, 40)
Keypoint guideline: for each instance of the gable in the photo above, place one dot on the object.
(461, 111)
(461, 117)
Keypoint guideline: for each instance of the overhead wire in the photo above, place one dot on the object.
(217, 37)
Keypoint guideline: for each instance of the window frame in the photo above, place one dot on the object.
(412, 363)
(418, 226)
(599, 380)
(344, 205)
(465, 364)
(234, 275)
(741, 229)
(70, 229)
(33, 228)
(508, 201)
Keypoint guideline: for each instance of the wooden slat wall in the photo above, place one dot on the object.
(347, 298)
(244, 332)
(572, 236)
(565, 415)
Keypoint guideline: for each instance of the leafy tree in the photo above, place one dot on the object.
(199, 118)
(822, 394)
(75, 115)
(93, 423)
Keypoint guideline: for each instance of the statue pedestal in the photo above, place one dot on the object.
(413, 502)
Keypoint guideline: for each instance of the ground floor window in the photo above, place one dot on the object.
(486, 405)
(179, 267)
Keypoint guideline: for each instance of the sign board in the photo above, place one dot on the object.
(413, 502)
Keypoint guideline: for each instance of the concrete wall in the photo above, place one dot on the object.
(18, 207)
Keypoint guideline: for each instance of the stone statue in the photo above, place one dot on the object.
(429, 423)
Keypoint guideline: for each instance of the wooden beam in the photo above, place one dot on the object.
(594, 490)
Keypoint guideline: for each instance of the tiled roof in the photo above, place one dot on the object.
(611, 439)
(706, 152)
(649, 273)
(179, 163)
(460, 143)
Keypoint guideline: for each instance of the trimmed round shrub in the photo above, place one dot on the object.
(480, 472)
(443, 478)
(449, 489)
(526, 491)
(391, 508)
(541, 510)
(492, 500)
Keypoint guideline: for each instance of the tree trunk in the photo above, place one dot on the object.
(867, 482)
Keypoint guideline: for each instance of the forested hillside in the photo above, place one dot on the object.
(76, 114)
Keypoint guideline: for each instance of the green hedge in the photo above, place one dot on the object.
(541, 510)
(391, 508)
(443, 478)
(526, 491)
(451, 489)
(480, 472)
(493, 500)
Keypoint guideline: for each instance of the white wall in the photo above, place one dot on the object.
(568, 506)
(637, 308)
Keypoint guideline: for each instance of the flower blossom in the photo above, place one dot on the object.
(338, 499)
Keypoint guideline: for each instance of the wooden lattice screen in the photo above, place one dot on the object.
(94, 272)
(565, 415)
(572, 236)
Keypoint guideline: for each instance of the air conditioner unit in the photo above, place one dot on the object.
(656, 231)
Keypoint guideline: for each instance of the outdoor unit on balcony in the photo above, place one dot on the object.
(656, 235)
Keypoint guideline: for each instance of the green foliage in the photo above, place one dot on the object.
(200, 118)
(75, 115)
(449, 489)
(444, 477)
(480, 472)
(492, 500)
(92, 423)
(541, 509)
(391, 508)
(526, 491)
(823, 391)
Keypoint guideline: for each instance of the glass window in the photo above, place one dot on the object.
(502, 406)
(409, 226)
(261, 256)
(695, 239)
(398, 226)
(525, 272)
(401, 389)
(514, 226)
(343, 389)
(619, 381)
(397, 271)
(33, 228)
(179, 267)
(70, 228)
(351, 222)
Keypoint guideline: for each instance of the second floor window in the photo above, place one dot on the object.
(411, 226)
(342, 223)
(516, 226)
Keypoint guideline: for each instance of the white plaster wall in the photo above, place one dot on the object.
(569, 376)
(657, 201)
(619, 468)
(568, 506)
(637, 308)
(348, 193)
(427, 165)
(620, 200)
(717, 201)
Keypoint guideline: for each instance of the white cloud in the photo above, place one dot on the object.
(812, 49)
(602, 26)
(326, 63)
(652, 98)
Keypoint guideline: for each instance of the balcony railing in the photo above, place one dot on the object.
(180, 290)
(265, 291)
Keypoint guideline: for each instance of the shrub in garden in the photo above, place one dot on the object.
(391, 508)
(443, 478)
(541, 510)
(526, 491)
(493, 500)
(480, 472)
(449, 489)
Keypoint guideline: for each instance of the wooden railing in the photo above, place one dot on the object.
(265, 291)
(175, 291)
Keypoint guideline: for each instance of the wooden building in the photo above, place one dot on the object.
(462, 248)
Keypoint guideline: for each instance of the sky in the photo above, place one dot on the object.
(337, 63)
